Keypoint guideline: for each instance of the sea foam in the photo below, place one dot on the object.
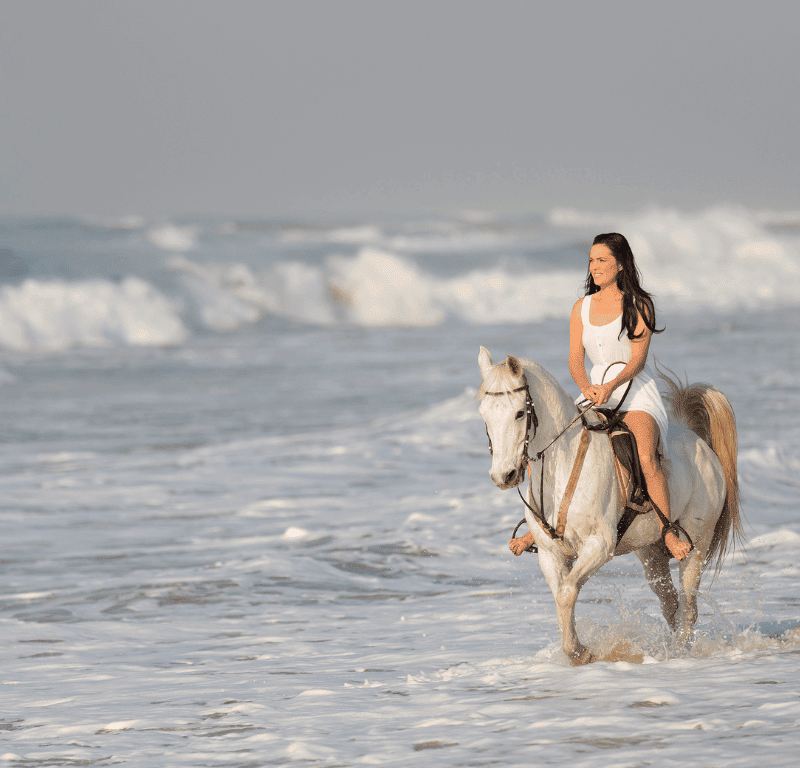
(228, 296)
(172, 238)
(718, 259)
(54, 315)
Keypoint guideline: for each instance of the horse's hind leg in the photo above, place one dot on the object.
(691, 569)
(656, 570)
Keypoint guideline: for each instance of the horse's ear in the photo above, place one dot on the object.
(484, 361)
(513, 365)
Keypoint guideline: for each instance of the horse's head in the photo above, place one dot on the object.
(504, 407)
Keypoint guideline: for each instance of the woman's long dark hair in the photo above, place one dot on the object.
(635, 299)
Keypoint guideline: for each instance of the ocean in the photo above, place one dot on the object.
(247, 513)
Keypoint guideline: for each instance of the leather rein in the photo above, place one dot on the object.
(612, 419)
(557, 533)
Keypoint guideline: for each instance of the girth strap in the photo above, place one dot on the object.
(641, 503)
(569, 492)
(557, 533)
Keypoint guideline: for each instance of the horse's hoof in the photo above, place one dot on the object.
(681, 640)
(580, 657)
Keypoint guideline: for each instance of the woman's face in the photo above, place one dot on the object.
(603, 267)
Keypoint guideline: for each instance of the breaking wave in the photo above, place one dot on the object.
(372, 288)
(55, 315)
(717, 259)
(372, 276)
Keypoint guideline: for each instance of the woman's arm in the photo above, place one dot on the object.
(577, 354)
(639, 350)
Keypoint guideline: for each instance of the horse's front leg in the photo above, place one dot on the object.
(594, 553)
(555, 569)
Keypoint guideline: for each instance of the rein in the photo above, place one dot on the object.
(557, 533)
(612, 419)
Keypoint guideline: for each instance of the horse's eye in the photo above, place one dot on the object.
(520, 414)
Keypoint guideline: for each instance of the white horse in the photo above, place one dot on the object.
(701, 474)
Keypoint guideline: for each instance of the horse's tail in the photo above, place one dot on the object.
(703, 409)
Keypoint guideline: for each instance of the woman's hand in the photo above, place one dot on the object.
(598, 394)
(604, 392)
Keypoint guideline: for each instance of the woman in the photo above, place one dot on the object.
(614, 322)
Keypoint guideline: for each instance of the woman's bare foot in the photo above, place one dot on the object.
(518, 546)
(678, 549)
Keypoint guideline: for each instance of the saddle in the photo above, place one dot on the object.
(632, 485)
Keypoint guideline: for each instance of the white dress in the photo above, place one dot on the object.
(604, 346)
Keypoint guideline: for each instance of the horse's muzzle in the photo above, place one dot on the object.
(510, 479)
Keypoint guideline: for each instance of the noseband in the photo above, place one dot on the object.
(531, 418)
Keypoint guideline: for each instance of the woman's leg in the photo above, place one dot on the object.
(645, 430)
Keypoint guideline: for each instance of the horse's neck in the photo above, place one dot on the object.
(556, 410)
(554, 407)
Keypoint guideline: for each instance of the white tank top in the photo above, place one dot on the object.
(604, 346)
(602, 342)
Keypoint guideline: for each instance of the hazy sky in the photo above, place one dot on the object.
(293, 107)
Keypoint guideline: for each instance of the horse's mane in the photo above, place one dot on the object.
(544, 376)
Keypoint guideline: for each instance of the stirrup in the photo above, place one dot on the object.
(532, 548)
(677, 529)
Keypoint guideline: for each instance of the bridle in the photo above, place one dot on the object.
(612, 419)
(531, 418)
(525, 460)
